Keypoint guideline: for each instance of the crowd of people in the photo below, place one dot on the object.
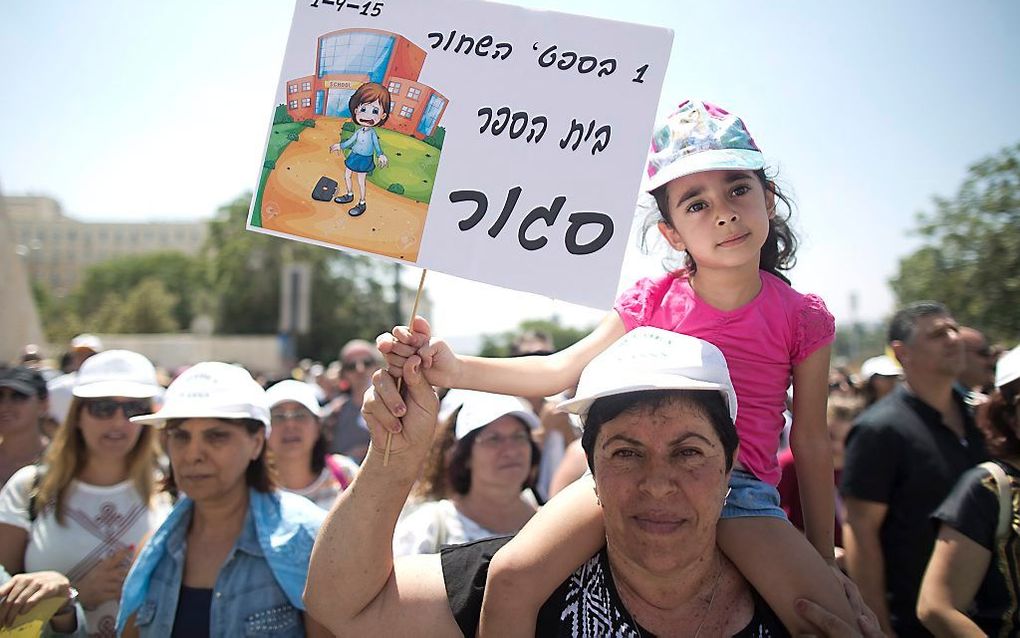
(640, 482)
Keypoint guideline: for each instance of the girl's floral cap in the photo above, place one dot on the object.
(698, 137)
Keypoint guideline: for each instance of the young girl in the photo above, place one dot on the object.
(370, 107)
(716, 205)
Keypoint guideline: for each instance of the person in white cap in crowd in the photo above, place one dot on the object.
(491, 461)
(298, 443)
(879, 376)
(83, 511)
(970, 583)
(232, 556)
(657, 410)
(60, 388)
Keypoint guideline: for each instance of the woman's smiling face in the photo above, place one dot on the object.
(660, 474)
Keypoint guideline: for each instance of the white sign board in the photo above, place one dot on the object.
(477, 139)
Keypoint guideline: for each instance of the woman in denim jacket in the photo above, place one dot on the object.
(232, 557)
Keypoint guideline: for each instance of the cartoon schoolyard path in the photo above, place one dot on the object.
(392, 225)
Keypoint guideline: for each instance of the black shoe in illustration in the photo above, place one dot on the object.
(357, 210)
(344, 199)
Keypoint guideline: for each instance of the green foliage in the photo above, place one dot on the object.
(412, 164)
(437, 137)
(293, 137)
(59, 318)
(970, 259)
(281, 116)
(563, 336)
(396, 188)
(348, 127)
(310, 123)
(145, 309)
(348, 297)
(855, 343)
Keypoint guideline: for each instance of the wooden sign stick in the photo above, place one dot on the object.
(400, 381)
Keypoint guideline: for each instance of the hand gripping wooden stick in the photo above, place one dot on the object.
(400, 381)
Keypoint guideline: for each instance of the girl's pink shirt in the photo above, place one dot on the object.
(761, 340)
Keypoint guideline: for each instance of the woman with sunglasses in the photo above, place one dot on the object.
(491, 461)
(298, 444)
(232, 557)
(82, 512)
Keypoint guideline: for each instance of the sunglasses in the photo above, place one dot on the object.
(13, 396)
(366, 363)
(106, 408)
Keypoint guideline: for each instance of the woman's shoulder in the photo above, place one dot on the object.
(23, 479)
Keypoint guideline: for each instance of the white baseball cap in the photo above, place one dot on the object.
(882, 365)
(117, 373)
(212, 390)
(653, 359)
(87, 341)
(292, 390)
(479, 409)
(1007, 369)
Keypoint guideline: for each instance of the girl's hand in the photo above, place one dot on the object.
(335, 149)
(104, 581)
(383, 162)
(440, 364)
(24, 591)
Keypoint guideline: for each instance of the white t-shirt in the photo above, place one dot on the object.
(98, 521)
(325, 488)
(434, 524)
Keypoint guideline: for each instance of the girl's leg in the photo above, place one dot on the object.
(347, 197)
(347, 180)
(361, 186)
(783, 566)
(561, 537)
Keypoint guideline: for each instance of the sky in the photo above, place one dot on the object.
(125, 110)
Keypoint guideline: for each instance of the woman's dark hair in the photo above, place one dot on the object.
(779, 252)
(998, 422)
(320, 449)
(259, 474)
(709, 402)
(458, 473)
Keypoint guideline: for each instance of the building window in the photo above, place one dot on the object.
(320, 100)
(293, 104)
(292, 88)
(306, 86)
(394, 87)
(413, 93)
(306, 102)
(355, 52)
(406, 111)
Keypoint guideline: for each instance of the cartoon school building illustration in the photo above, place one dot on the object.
(348, 58)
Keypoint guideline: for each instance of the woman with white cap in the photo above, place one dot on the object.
(969, 588)
(299, 444)
(82, 512)
(491, 461)
(879, 376)
(232, 556)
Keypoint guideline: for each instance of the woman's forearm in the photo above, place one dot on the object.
(353, 554)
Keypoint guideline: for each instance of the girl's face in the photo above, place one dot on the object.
(295, 431)
(105, 427)
(721, 218)
(501, 453)
(369, 113)
(210, 456)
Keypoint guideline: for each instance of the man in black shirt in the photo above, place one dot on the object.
(903, 456)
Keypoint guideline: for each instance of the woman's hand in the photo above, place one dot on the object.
(418, 410)
(831, 625)
(104, 581)
(24, 591)
(440, 364)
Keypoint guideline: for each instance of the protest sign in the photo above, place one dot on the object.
(482, 140)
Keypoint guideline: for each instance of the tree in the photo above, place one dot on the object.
(145, 309)
(970, 259)
(348, 299)
(183, 278)
(562, 336)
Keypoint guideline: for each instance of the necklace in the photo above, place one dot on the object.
(708, 610)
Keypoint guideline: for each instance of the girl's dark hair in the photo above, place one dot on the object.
(997, 421)
(709, 402)
(259, 474)
(458, 474)
(779, 253)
